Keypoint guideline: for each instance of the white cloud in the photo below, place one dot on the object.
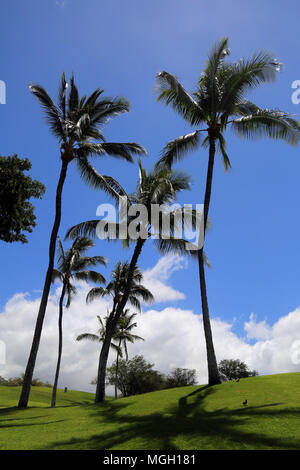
(155, 279)
(173, 337)
(260, 330)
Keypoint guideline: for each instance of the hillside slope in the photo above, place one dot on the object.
(183, 418)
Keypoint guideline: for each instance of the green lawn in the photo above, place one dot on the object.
(182, 418)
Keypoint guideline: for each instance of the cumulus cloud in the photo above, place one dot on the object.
(155, 279)
(173, 336)
(257, 330)
(79, 361)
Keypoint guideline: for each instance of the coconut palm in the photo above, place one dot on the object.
(158, 187)
(220, 101)
(100, 336)
(75, 121)
(72, 267)
(115, 289)
(124, 335)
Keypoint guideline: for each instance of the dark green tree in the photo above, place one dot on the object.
(181, 378)
(231, 369)
(135, 376)
(16, 189)
(76, 123)
(219, 102)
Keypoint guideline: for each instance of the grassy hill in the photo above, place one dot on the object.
(183, 418)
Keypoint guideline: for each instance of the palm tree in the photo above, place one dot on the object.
(72, 266)
(219, 102)
(124, 335)
(101, 335)
(115, 289)
(159, 187)
(76, 123)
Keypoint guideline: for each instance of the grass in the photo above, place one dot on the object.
(183, 418)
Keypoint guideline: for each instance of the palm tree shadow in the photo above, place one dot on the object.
(182, 402)
(186, 425)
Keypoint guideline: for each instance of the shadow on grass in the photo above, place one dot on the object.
(187, 425)
(188, 422)
(21, 425)
(73, 403)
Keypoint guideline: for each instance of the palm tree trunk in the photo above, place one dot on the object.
(100, 389)
(213, 374)
(60, 342)
(117, 369)
(23, 401)
(112, 323)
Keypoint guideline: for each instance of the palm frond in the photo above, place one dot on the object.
(87, 228)
(124, 150)
(95, 293)
(246, 75)
(176, 246)
(83, 262)
(60, 252)
(141, 291)
(134, 301)
(222, 148)
(177, 149)
(88, 336)
(57, 275)
(91, 276)
(268, 123)
(71, 292)
(103, 111)
(52, 114)
(62, 90)
(173, 93)
(73, 100)
(98, 181)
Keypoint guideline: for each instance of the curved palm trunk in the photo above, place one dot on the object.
(23, 401)
(60, 343)
(213, 374)
(112, 323)
(117, 370)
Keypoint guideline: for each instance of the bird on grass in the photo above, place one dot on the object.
(245, 402)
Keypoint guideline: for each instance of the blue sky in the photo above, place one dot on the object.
(120, 46)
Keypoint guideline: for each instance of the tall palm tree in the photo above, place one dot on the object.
(159, 187)
(115, 289)
(72, 266)
(76, 123)
(123, 335)
(219, 101)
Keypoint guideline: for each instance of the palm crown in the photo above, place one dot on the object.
(220, 99)
(72, 266)
(76, 122)
(157, 187)
(115, 288)
(124, 333)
